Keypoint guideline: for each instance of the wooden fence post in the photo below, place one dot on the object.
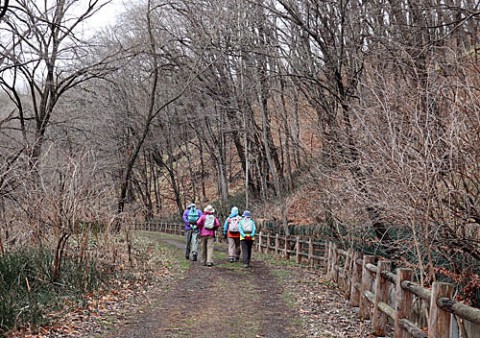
(310, 253)
(439, 320)
(335, 261)
(379, 319)
(328, 257)
(404, 300)
(324, 257)
(297, 248)
(260, 242)
(348, 273)
(356, 279)
(268, 243)
(367, 282)
(287, 247)
(276, 244)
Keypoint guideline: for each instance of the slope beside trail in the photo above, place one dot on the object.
(226, 300)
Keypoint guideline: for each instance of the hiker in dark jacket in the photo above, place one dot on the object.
(190, 218)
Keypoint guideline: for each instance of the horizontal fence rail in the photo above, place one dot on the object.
(370, 287)
(304, 250)
(175, 228)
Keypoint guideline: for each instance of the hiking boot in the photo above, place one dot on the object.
(209, 264)
(194, 257)
(246, 265)
(187, 256)
(231, 260)
(237, 259)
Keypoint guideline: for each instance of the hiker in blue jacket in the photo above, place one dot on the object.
(247, 230)
(232, 233)
(190, 218)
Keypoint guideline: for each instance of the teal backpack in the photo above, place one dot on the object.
(192, 216)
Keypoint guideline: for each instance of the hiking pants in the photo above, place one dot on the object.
(191, 238)
(233, 247)
(206, 249)
(247, 251)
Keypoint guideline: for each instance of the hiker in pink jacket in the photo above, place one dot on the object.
(207, 224)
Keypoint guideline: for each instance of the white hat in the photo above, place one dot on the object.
(209, 208)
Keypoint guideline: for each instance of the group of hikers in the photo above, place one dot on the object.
(201, 227)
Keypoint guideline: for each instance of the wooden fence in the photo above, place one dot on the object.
(383, 297)
(309, 251)
(387, 298)
(161, 226)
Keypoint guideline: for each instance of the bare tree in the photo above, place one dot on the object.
(3, 8)
(41, 63)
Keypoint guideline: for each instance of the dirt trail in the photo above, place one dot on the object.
(226, 300)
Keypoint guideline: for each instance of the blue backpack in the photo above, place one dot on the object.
(192, 216)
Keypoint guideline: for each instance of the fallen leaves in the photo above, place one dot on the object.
(97, 312)
(322, 307)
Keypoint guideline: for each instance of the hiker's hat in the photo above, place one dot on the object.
(209, 208)
(247, 213)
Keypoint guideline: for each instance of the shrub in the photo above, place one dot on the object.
(27, 293)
